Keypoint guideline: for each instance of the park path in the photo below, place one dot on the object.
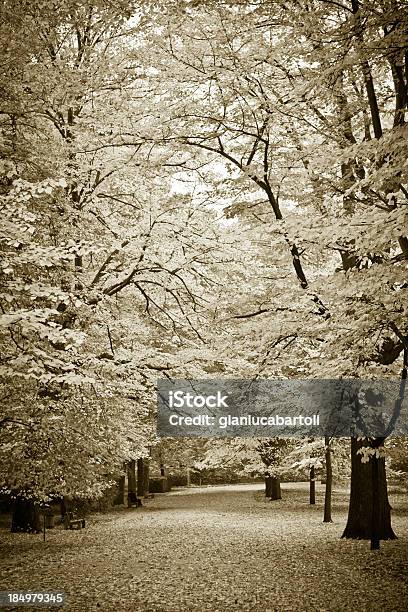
(218, 549)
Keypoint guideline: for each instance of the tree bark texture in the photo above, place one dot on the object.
(327, 517)
(131, 475)
(369, 516)
(272, 488)
(312, 486)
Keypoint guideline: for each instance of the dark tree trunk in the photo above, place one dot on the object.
(312, 486)
(369, 516)
(146, 475)
(375, 515)
(366, 70)
(275, 489)
(131, 474)
(26, 517)
(272, 488)
(120, 497)
(140, 477)
(327, 518)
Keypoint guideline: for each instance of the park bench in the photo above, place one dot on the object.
(72, 520)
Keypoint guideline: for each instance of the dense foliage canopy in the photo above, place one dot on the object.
(191, 188)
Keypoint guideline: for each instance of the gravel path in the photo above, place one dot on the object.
(218, 549)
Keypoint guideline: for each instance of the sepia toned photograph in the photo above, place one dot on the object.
(204, 305)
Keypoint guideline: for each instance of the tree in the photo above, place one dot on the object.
(46, 356)
(327, 517)
(161, 135)
(271, 452)
(237, 85)
(105, 275)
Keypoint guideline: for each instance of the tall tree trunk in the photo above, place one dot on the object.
(376, 509)
(146, 476)
(327, 518)
(366, 70)
(140, 477)
(268, 486)
(272, 488)
(276, 489)
(312, 486)
(120, 497)
(369, 516)
(143, 476)
(131, 474)
(26, 516)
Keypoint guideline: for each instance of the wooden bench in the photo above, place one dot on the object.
(72, 520)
